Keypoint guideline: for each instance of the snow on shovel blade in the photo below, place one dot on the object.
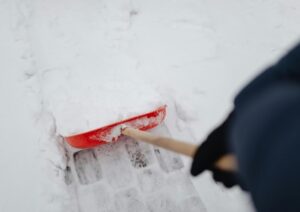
(112, 132)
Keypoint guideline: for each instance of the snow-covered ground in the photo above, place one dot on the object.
(64, 63)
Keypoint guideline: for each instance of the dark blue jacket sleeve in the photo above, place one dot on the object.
(287, 69)
(265, 132)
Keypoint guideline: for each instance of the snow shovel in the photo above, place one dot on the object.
(135, 128)
(110, 133)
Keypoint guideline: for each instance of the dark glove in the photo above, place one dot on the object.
(212, 149)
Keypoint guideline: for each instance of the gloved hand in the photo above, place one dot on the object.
(210, 151)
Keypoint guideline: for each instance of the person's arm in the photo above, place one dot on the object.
(212, 150)
(217, 144)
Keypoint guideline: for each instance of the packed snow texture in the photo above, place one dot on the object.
(114, 134)
(78, 107)
(70, 66)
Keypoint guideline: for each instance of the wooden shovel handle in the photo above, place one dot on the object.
(225, 163)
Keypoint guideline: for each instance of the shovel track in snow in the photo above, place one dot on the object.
(130, 176)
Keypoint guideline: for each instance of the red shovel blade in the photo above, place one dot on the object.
(95, 137)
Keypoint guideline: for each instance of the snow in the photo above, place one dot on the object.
(72, 66)
(78, 108)
(115, 133)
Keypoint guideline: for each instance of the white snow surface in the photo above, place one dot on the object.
(78, 107)
(71, 66)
